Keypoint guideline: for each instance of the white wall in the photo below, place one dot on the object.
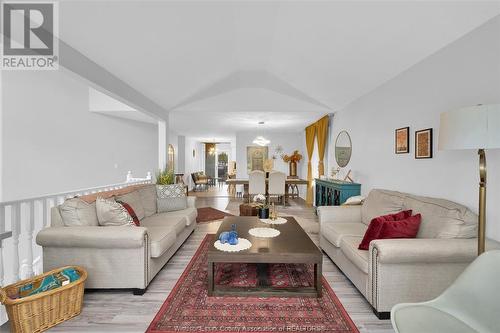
(181, 154)
(52, 143)
(1, 141)
(289, 141)
(466, 72)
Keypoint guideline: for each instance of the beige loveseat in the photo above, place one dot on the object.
(119, 256)
(400, 270)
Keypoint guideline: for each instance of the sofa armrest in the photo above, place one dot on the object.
(93, 237)
(422, 250)
(339, 214)
(191, 202)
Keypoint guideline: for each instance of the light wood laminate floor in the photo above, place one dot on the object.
(124, 312)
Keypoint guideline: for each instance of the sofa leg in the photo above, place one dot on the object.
(382, 315)
(138, 292)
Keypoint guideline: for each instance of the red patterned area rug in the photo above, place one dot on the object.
(189, 309)
(209, 214)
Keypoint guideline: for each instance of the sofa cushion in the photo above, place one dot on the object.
(381, 202)
(442, 218)
(164, 220)
(148, 199)
(189, 214)
(161, 238)
(334, 232)
(134, 200)
(77, 212)
(349, 246)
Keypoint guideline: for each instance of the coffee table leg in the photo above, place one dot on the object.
(318, 274)
(262, 275)
(210, 278)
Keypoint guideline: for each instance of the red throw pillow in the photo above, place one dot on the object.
(131, 212)
(376, 224)
(407, 228)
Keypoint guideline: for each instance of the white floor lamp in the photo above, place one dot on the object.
(475, 127)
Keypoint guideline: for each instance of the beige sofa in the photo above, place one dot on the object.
(400, 270)
(119, 256)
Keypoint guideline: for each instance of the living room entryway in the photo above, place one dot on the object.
(216, 167)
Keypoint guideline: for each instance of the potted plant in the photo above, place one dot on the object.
(169, 196)
(263, 206)
(292, 161)
(164, 177)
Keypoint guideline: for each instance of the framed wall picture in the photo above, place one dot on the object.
(256, 155)
(423, 143)
(402, 140)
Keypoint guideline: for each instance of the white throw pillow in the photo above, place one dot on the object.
(355, 200)
(111, 213)
(171, 198)
(77, 212)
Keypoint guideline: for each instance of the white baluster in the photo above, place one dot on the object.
(2, 230)
(30, 228)
(45, 219)
(129, 176)
(16, 230)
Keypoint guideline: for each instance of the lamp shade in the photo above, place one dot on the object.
(475, 127)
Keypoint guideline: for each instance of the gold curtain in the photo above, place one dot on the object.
(321, 136)
(310, 133)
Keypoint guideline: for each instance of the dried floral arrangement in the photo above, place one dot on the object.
(295, 157)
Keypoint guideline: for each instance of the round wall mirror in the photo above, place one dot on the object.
(343, 149)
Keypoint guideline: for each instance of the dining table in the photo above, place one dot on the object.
(288, 183)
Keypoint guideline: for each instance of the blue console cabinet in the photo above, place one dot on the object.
(331, 192)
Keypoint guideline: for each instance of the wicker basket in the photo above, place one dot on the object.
(42, 311)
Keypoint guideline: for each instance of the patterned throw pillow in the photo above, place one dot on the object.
(170, 198)
(131, 211)
(111, 213)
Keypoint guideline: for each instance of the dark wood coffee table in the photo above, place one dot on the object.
(292, 246)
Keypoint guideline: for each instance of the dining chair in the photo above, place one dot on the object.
(239, 190)
(231, 188)
(277, 182)
(256, 183)
(471, 304)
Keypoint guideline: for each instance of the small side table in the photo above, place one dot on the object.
(179, 179)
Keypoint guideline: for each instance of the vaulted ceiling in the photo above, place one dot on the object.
(221, 67)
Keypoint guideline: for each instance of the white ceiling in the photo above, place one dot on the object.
(222, 66)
